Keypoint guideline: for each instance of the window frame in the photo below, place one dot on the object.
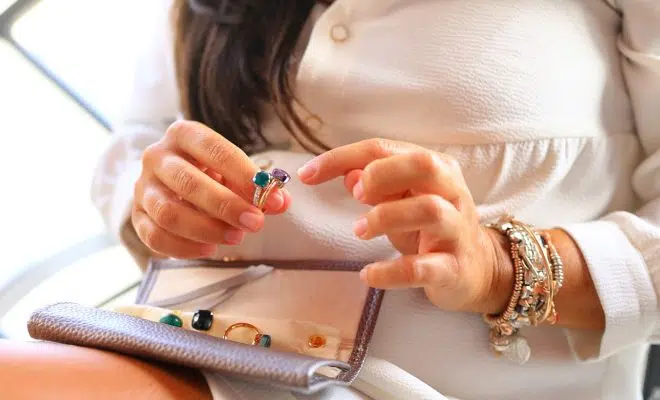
(7, 19)
(31, 275)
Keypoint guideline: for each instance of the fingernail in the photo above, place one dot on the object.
(251, 221)
(234, 236)
(358, 191)
(275, 201)
(363, 273)
(360, 228)
(307, 171)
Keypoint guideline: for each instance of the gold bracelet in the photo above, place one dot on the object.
(538, 272)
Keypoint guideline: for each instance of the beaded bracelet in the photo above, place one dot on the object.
(538, 273)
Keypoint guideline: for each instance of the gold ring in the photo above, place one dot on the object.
(266, 192)
(277, 179)
(257, 336)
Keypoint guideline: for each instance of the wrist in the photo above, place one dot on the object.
(502, 274)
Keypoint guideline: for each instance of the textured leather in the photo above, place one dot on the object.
(91, 327)
(368, 318)
(79, 325)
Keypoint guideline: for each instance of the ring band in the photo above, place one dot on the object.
(266, 192)
(258, 191)
(257, 337)
(261, 180)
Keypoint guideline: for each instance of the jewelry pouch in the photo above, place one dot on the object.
(298, 325)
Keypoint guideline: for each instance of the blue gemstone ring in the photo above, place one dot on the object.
(265, 182)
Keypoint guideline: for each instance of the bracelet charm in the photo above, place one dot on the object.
(538, 273)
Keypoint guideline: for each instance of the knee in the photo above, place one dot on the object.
(39, 370)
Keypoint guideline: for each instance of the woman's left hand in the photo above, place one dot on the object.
(423, 205)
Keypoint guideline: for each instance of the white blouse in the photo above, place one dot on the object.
(553, 109)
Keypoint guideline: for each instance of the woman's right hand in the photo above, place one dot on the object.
(195, 192)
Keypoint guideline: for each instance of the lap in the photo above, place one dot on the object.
(40, 370)
(227, 388)
(49, 370)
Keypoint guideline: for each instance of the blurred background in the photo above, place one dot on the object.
(65, 67)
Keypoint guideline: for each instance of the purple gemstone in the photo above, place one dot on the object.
(281, 175)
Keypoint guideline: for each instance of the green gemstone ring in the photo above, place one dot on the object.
(173, 320)
(261, 179)
(260, 339)
(265, 182)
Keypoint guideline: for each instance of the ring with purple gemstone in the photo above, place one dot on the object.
(265, 182)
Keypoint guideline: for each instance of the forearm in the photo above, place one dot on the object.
(577, 303)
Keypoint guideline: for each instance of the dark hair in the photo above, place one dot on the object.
(232, 57)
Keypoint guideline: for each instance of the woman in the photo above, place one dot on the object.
(438, 116)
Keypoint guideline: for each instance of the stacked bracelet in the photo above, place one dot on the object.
(538, 273)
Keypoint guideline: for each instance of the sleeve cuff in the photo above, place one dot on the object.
(122, 198)
(624, 287)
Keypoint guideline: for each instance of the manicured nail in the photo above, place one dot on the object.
(363, 273)
(251, 221)
(358, 191)
(307, 171)
(360, 228)
(234, 236)
(275, 201)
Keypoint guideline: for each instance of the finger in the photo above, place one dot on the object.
(161, 241)
(437, 270)
(351, 183)
(216, 176)
(202, 147)
(338, 162)
(206, 194)
(406, 243)
(214, 151)
(276, 203)
(353, 186)
(181, 219)
(351, 179)
(430, 213)
(271, 208)
(417, 172)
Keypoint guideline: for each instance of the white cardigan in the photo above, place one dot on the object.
(553, 109)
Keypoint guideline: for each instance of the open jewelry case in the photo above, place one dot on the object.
(317, 317)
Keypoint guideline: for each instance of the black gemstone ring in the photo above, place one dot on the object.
(202, 320)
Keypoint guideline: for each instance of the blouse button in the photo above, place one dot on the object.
(263, 163)
(339, 33)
